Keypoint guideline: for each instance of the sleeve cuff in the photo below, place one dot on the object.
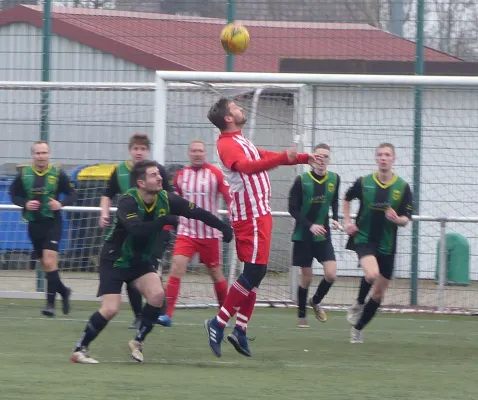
(303, 158)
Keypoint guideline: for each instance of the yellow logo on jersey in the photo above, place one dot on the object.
(331, 187)
(51, 179)
(396, 194)
(162, 212)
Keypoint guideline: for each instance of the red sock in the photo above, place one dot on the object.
(221, 291)
(235, 298)
(245, 312)
(172, 293)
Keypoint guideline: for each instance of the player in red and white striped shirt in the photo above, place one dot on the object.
(245, 168)
(202, 184)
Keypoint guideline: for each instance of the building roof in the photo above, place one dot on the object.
(172, 42)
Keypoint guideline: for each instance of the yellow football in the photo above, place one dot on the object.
(235, 38)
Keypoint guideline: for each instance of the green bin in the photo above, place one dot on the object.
(457, 260)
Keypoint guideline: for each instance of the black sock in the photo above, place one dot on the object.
(55, 285)
(148, 319)
(302, 299)
(51, 283)
(93, 328)
(368, 313)
(135, 299)
(363, 290)
(322, 290)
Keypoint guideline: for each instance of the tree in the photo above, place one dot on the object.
(455, 29)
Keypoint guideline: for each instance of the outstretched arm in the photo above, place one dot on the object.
(300, 158)
(184, 208)
(233, 156)
(127, 214)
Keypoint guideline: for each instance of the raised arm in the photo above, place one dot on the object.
(300, 158)
(184, 208)
(66, 187)
(127, 214)
(233, 157)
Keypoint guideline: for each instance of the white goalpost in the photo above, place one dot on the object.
(90, 124)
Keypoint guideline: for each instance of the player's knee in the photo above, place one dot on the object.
(216, 274)
(330, 271)
(156, 298)
(330, 276)
(48, 262)
(108, 311)
(306, 277)
(178, 266)
(371, 276)
(379, 288)
(253, 275)
(377, 295)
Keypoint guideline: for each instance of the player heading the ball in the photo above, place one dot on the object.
(244, 166)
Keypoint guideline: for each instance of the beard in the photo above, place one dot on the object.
(242, 121)
(153, 192)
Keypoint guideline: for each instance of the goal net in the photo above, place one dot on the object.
(90, 124)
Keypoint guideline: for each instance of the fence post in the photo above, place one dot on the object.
(45, 105)
(231, 16)
(442, 267)
(417, 152)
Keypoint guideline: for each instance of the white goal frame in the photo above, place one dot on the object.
(265, 79)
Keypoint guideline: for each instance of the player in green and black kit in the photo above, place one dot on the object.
(37, 188)
(120, 181)
(129, 251)
(310, 199)
(385, 204)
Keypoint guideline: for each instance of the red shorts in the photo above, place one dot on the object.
(209, 250)
(253, 239)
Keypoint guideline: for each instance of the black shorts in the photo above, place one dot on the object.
(45, 235)
(304, 252)
(112, 278)
(386, 262)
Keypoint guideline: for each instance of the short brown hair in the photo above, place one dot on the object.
(39, 142)
(322, 146)
(139, 170)
(139, 139)
(386, 144)
(218, 111)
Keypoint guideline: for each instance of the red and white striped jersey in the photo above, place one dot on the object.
(201, 186)
(245, 166)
